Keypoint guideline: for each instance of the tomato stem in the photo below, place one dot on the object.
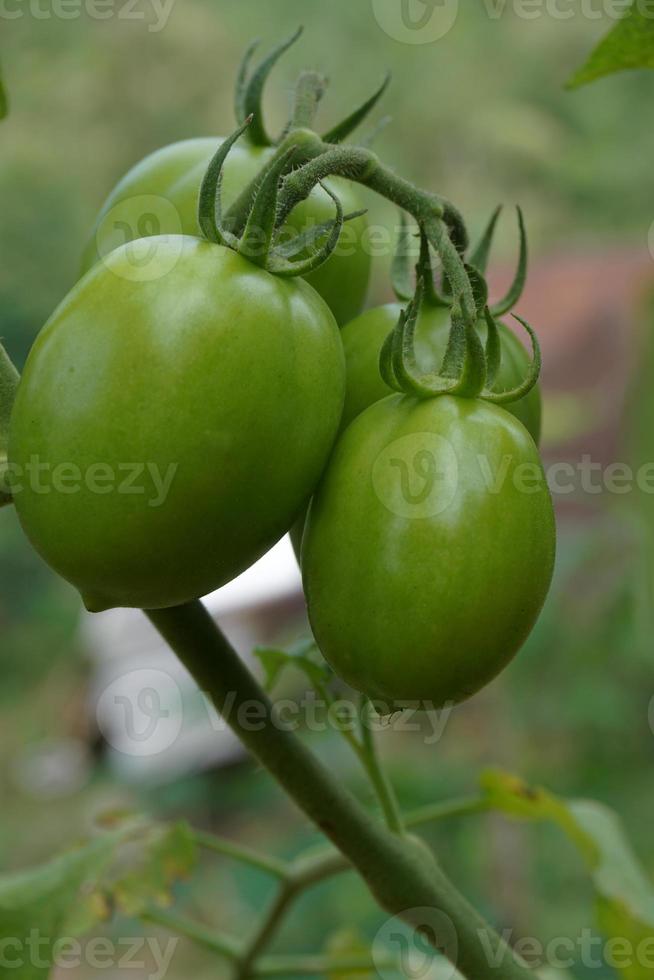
(394, 868)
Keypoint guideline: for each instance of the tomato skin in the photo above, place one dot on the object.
(174, 174)
(427, 598)
(214, 367)
(363, 339)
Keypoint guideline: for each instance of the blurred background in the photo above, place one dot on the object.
(481, 116)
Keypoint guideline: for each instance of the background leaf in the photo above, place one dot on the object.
(630, 44)
(625, 895)
(46, 902)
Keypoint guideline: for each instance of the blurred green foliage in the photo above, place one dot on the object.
(482, 117)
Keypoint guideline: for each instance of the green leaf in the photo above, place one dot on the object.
(630, 44)
(48, 902)
(304, 656)
(169, 855)
(624, 894)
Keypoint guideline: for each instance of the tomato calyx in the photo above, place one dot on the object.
(9, 379)
(260, 237)
(469, 368)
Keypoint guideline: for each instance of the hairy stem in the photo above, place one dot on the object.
(396, 870)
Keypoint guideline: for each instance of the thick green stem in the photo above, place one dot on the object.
(395, 869)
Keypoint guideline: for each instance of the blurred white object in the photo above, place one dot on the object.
(156, 724)
(52, 769)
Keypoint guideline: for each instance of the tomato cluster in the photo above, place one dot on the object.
(217, 377)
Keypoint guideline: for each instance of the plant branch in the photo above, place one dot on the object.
(396, 869)
(270, 865)
(295, 966)
(378, 777)
(215, 942)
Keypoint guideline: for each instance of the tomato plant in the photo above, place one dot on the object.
(181, 406)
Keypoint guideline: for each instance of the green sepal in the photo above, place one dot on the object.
(493, 349)
(345, 128)
(386, 368)
(242, 81)
(9, 379)
(517, 286)
(250, 99)
(303, 267)
(376, 131)
(479, 256)
(256, 242)
(210, 199)
(531, 379)
(298, 244)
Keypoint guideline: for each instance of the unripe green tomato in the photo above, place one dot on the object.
(159, 196)
(364, 337)
(180, 403)
(429, 548)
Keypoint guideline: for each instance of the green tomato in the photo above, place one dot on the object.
(180, 404)
(160, 196)
(428, 550)
(363, 339)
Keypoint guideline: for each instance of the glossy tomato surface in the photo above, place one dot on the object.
(363, 339)
(428, 549)
(180, 404)
(160, 196)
